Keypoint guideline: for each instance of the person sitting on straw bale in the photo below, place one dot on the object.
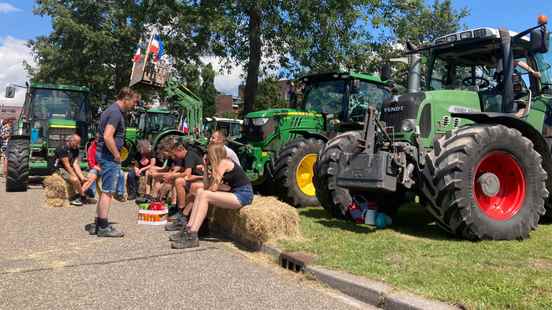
(140, 166)
(219, 170)
(163, 184)
(68, 165)
(191, 176)
(93, 167)
(187, 189)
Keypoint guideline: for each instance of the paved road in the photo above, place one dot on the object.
(48, 262)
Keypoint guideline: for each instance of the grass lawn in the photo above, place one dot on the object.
(415, 255)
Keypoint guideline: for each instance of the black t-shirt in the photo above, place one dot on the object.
(64, 151)
(192, 160)
(113, 116)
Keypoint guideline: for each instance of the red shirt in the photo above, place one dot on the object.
(91, 155)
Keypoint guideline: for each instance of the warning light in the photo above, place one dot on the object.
(543, 19)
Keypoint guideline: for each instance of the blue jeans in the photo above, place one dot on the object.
(244, 194)
(110, 174)
(121, 183)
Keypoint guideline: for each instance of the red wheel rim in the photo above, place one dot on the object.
(510, 195)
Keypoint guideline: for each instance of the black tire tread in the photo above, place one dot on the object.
(17, 178)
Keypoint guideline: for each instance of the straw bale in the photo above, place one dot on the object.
(56, 191)
(266, 219)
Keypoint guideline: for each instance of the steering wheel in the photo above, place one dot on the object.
(470, 81)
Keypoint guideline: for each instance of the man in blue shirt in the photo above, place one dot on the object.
(110, 142)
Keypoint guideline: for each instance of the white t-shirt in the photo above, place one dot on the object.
(232, 155)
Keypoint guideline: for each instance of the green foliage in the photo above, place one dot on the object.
(92, 42)
(207, 91)
(270, 94)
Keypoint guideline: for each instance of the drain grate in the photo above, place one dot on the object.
(295, 261)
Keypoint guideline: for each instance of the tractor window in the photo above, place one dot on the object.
(59, 104)
(367, 94)
(156, 122)
(544, 63)
(325, 96)
(448, 75)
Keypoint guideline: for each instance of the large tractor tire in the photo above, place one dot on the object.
(485, 182)
(336, 200)
(294, 170)
(17, 178)
(333, 198)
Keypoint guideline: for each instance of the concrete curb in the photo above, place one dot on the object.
(375, 293)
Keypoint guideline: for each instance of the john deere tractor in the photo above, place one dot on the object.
(180, 117)
(474, 144)
(50, 114)
(282, 144)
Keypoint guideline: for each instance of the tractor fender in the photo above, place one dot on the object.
(513, 122)
(308, 135)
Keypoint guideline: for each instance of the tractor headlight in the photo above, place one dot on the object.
(260, 121)
(408, 125)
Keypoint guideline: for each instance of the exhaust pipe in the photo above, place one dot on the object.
(414, 73)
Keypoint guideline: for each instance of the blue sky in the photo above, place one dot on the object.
(18, 24)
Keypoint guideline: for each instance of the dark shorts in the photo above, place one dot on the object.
(244, 194)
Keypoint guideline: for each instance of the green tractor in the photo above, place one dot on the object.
(474, 145)
(231, 127)
(281, 145)
(50, 114)
(181, 117)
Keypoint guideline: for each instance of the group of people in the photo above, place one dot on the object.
(192, 181)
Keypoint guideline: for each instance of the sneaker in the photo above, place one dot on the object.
(189, 241)
(177, 224)
(179, 235)
(119, 197)
(90, 228)
(131, 197)
(76, 202)
(109, 231)
(174, 217)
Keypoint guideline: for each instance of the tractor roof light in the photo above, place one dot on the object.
(451, 38)
(542, 19)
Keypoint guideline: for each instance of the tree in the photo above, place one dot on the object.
(270, 95)
(92, 42)
(263, 35)
(207, 91)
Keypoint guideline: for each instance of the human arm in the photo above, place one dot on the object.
(67, 166)
(78, 171)
(109, 140)
(218, 173)
(525, 66)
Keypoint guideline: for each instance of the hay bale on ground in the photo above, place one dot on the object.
(266, 219)
(56, 191)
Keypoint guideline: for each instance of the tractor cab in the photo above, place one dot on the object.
(231, 127)
(343, 96)
(501, 67)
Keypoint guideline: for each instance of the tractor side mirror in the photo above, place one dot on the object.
(10, 92)
(539, 39)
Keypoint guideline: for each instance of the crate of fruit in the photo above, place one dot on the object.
(154, 213)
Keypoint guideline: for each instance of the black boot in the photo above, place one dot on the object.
(190, 240)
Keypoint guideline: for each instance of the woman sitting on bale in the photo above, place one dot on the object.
(220, 170)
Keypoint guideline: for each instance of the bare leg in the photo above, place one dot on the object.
(103, 205)
(194, 187)
(76, 185)
(180, 187)
(201, 205)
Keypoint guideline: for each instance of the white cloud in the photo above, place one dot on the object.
(8, 8)
(12, 54)
(225, 82)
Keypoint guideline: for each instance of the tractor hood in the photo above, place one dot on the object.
(277, 112)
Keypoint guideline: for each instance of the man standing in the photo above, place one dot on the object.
(68, 165)
(110, 142)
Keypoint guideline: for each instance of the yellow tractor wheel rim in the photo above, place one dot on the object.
(304, 174)
(123, 153)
